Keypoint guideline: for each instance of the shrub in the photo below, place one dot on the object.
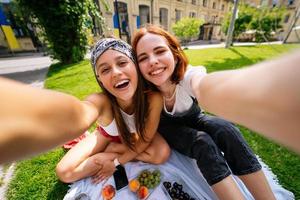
(187, 28)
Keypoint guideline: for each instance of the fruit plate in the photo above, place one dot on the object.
(145, 183)
(176, 188)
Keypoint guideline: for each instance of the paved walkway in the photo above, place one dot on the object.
(6, 173)
(222, 45)
(22, 64)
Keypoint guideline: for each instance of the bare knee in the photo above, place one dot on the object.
(64, 173)
(160, 149)
(161, 155)
(165, 154)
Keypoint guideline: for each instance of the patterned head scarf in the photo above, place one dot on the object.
(110, 43)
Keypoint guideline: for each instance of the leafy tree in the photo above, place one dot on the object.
(64, 24)
(187, 28)
(266, 22)
(263, 21)
(242, 23)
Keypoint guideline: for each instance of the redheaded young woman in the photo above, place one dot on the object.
(188, 130)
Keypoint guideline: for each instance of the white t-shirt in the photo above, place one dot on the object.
(184, 92)
(112, 129)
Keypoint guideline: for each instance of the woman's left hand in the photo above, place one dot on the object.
(107, 170)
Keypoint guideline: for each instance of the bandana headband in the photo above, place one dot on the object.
(110, 43)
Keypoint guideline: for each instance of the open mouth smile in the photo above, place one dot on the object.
(121, 84)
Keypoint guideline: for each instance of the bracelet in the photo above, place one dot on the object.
(116, 162)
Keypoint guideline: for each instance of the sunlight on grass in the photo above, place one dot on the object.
(75, 79)
(36, 179)
(236, 57)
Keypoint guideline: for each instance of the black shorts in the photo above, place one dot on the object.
(216, 144)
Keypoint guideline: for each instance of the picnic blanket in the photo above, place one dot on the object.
(177, 167)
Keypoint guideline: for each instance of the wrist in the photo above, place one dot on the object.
(116, 162)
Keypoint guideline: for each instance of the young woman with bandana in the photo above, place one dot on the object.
(127, 114)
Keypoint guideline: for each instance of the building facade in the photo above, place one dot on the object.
(135, 13)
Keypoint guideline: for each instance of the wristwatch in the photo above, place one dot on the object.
(116, 162)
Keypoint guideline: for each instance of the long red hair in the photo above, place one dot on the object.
(173, 44)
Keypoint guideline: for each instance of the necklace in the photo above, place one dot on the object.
(172, 97)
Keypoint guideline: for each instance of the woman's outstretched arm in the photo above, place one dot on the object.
(264, 98)
(35, 120)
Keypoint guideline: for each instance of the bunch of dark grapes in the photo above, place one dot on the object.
(176, 191)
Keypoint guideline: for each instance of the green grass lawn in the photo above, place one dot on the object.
(35, 178)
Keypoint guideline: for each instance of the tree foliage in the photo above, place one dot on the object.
(263, 21)
(267, 21)
(64, 24)
(186, 28)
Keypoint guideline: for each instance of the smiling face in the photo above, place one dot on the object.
(118, 74)
(155, 58)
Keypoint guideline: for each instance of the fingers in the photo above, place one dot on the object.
(96, 179)
(99, 178)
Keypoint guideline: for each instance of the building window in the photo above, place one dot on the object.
(204, 3)
(144, 14)
(194, 2)
(290, 2)
(163, 18)
(214, 5)
(274, 3)
(177, 15)
(123, 21)
(223, 7)
(192, 15)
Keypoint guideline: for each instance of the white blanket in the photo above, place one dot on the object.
(177, 167)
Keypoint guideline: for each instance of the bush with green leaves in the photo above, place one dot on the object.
(64, 24)
(186, 28)
(266, 22)
(263, 21)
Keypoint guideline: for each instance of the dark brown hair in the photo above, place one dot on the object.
(141, 111)
(173, 44)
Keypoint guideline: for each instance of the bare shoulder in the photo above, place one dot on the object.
(100, 100)
(104, 106)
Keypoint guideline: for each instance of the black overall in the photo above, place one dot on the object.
(205, 138)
